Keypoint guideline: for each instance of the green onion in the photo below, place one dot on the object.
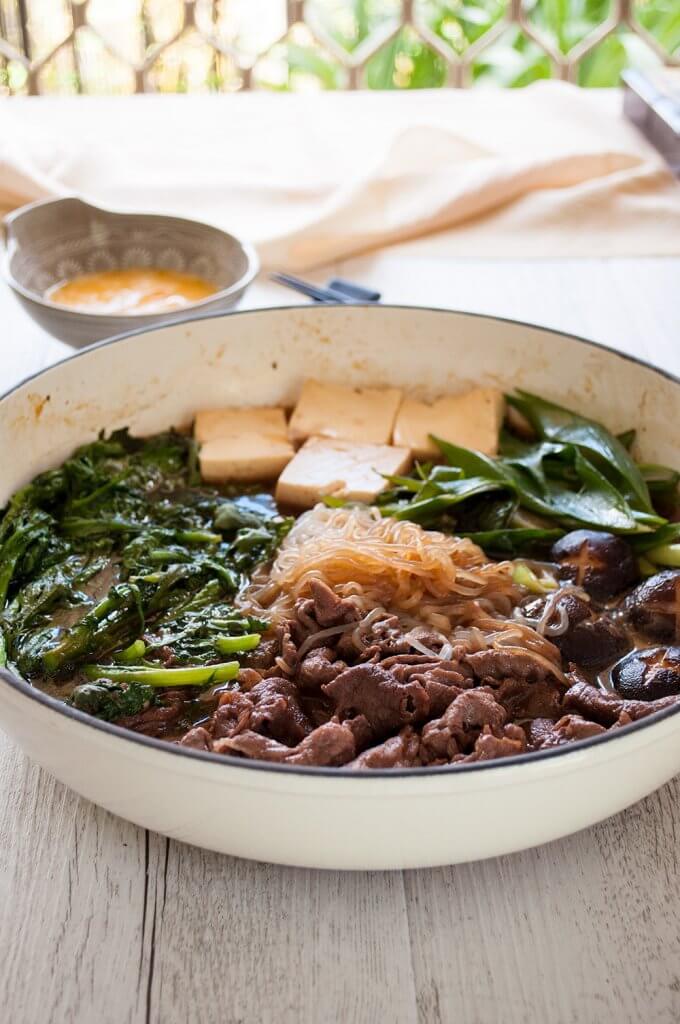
(165, 676)
(198, 537)
(131, 654)
(232, 644)
(665, 554)
(525, 577)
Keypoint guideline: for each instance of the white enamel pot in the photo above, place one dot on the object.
(331, 818)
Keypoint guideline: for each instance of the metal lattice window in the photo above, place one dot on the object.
(124, 46)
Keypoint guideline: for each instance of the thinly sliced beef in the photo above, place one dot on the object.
(568, 729)
(515, 663)
(361, 730)
(362, 693)
(331, 744)
(489, 746)
(400, 751)
(530, 700)
(385, 639)
(442, 680)
(319, 667)
(197, 738)
(458, 728)
(264, 655)
(416, 666)
(277, 712)
(156, 721)
(232, 715)
(375, 693)
(606, 708)
(329, 609)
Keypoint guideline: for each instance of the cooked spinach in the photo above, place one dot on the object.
(121, 556)
(109, 700)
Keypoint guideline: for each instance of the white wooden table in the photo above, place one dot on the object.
(104, 923)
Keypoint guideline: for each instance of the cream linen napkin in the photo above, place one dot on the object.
(544, 172)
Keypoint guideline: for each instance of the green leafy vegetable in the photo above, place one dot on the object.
(555, 423)
(573, 473)
(120, 556)
(110, 700)
(667, 534)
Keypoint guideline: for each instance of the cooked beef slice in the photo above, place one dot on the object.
(277, 712)
(530, 700)
(399, 751)
(156, 721)
(197, 738)
(458, 728)
(606, 708)
(516, 664)
(232, 714)
(375, 693)
(331, 744)
(318, 667)
(489, 745)
(568, 729)
(329, 609)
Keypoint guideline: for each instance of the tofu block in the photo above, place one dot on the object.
(340, 468)
(472, 420)
(354, 414)
(249, 457)
(213, 423)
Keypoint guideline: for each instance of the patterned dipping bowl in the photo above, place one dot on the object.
(57, 239)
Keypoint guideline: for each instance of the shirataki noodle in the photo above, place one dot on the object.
(386, 566)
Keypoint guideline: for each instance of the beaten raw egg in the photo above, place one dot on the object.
(136, 290)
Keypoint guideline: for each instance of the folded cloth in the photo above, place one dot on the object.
(544, 172)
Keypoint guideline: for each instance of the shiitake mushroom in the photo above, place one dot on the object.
(600, 562)
(653, 608)
(648, 674)
(591, 640)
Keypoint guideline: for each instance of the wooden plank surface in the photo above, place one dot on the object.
(103, 922)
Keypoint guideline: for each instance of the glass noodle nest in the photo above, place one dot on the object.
(385, 566)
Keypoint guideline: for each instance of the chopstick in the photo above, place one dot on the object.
(338, 291)
(355, 291)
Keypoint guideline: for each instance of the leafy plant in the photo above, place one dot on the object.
(571, 472)
(406, 61)
(120, 555)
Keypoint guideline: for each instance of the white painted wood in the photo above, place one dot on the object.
(100, 921)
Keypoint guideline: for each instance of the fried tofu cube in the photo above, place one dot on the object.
(343, 469)
(354, 414)
(250, 457)
(472, 420)
(265, 421)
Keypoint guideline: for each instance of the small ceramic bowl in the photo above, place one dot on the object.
(57, 239)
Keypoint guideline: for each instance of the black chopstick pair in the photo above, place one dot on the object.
(336, 290)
